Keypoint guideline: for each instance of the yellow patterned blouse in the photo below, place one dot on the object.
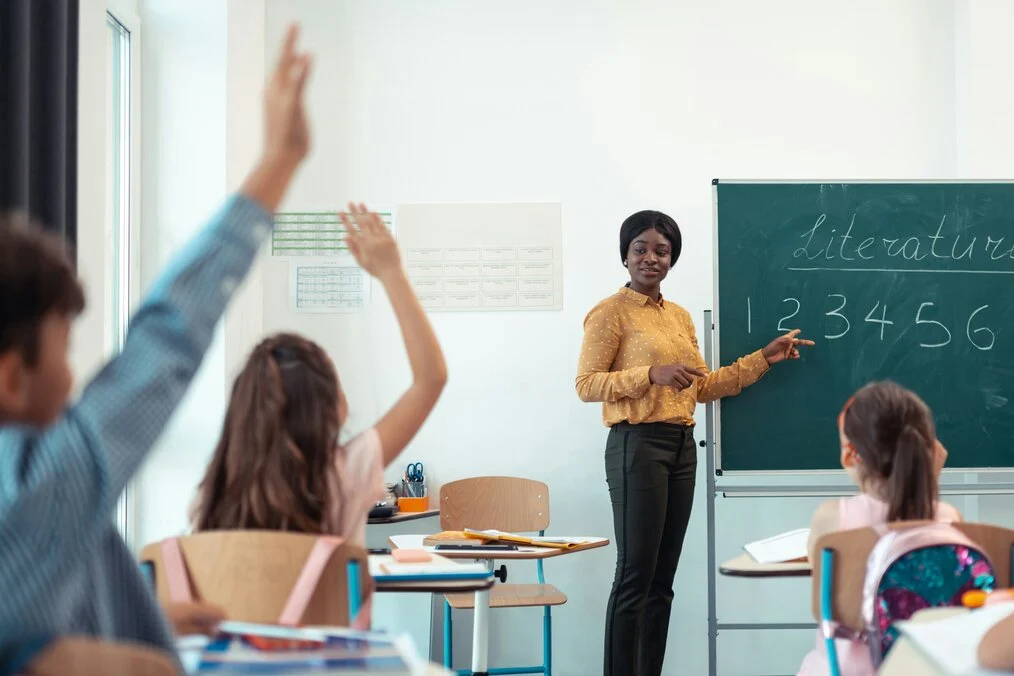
(627, 334)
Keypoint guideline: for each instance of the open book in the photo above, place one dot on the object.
(783, 548)
(953, 643)
(550, 542)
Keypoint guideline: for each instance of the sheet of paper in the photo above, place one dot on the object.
(953, 642)
(780, 548)
(314, 234)
(325, 288)
(483, 257)
(385, 564)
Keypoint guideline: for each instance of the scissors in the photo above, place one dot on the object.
(414, 471)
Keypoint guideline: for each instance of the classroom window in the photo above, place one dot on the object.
(119, 198)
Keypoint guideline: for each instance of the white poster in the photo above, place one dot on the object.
(328, 288)
(483, 257)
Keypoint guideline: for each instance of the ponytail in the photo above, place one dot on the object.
(911, 482)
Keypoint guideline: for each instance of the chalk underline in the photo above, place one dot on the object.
(952, 272)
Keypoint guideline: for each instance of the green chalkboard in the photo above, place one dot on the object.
(912, 282)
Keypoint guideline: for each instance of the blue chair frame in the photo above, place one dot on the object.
(547, 639)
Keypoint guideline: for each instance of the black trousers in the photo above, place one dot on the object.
(650, 470)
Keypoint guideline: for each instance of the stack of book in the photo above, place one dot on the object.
(244, 648)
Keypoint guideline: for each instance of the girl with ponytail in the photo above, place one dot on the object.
(890, 450)
(278, 464)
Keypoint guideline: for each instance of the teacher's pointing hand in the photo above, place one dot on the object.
(674, 375)
(785, 347)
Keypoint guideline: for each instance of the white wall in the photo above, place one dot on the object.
(607, 107)
(183, 181)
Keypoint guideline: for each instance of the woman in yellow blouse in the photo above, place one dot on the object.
(640, 359)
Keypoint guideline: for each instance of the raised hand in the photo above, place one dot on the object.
(286, 130)
(370, 242)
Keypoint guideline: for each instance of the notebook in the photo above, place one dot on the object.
(386, 569)
(783, 548)
(953, 643)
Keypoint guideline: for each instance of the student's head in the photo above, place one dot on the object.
(889, 445)
(650, 244)
(274, 464)
(40, 296)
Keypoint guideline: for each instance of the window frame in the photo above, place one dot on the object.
(126, 266)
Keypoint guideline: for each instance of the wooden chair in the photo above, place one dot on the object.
(86, 656)
(840, 570)
(512, 505)
(253, 575)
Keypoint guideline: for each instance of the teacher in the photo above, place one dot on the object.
(641, 360)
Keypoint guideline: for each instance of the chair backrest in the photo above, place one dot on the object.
(495, 502)
(852, 551)
(86, 656)
(251, 574)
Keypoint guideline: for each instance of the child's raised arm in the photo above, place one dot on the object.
(58, 487)
(374, 248)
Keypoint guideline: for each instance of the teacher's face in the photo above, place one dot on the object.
(649, 259)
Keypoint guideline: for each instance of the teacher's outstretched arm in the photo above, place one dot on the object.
(727, 381)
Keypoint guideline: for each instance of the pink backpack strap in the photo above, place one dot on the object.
(174, 567)
(308, 579)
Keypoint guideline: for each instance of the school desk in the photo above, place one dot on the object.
(744, 566)
(480, 625)
(399, 517)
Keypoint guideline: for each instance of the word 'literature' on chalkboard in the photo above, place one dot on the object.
(912, 282)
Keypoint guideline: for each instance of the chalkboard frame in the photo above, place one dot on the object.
(712, 331)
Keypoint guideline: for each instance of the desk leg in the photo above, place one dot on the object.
(480, 634)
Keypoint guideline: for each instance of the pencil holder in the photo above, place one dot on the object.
(413, 489)
(414, 504)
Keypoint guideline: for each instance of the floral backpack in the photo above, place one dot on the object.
(928, 566)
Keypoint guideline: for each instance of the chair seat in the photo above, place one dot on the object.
(513, 596)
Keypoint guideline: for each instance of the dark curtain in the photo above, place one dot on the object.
(38, 111)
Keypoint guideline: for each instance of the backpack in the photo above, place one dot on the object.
(927, 566)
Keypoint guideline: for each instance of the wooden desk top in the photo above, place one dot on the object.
(744, 566)
(398, 517)
(522, 553)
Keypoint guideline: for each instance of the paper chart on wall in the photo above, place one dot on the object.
(483, 257)
(314, 234)
(327, 288)
(323, 276)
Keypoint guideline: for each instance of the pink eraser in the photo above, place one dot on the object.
(411, 555)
